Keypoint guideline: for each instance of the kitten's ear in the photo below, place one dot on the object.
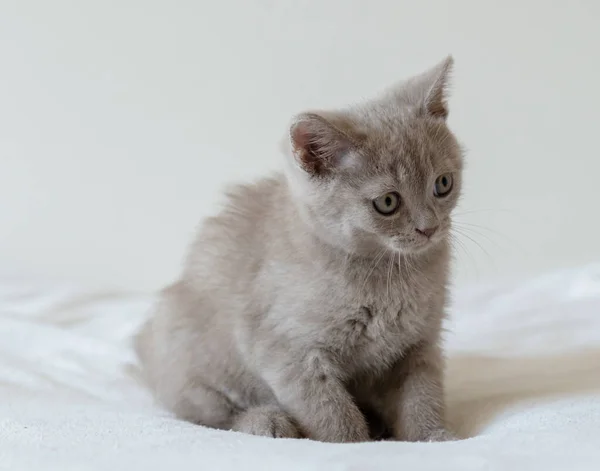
(322, 142)
(430, 89)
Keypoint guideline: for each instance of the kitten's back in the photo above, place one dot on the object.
(230, 243)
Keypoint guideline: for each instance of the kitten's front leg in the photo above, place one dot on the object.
(310, 390)
(415, 403)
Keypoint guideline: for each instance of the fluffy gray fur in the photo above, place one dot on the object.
(301, 311)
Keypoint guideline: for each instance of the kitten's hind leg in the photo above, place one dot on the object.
(205, 406)
(267, 421)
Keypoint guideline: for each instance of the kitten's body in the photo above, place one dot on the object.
(290, 320)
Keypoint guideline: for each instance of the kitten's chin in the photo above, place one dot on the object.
(414, 248)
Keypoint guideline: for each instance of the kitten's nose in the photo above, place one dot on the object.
(428, 232)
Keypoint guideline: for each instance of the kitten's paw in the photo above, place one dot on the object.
(359, 435)
(345, 431)
(266, 422)
(441, 435)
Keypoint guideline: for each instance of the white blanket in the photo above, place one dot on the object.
(523, 384)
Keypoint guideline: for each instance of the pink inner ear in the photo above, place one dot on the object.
(313, 145)
(318, 146)
(300, 136)
(304, 147)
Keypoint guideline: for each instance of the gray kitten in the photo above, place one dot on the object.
(312, 305)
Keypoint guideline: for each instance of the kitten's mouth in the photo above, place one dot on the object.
(416, 246)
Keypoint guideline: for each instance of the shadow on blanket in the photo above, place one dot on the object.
(480, 388)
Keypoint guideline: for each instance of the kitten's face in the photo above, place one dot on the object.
(384, 176)
(399, 196)
(403, 195)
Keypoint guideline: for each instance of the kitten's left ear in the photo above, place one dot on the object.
(430, 89)
(322, 142)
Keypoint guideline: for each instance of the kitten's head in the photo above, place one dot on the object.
(386, 174)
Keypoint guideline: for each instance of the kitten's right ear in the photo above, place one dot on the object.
(321, 143)
(428, 91)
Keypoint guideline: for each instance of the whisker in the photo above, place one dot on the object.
(456, 242)
(460, 225)
(389, 272)
(509, 244)
(411, 271)
(490, 258)
(377, 259)
(485, 210)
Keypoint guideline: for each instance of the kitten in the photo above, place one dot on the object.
(312, 305)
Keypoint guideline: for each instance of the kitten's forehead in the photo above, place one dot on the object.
(411, 150)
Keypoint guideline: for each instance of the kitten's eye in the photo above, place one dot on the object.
(387, 204)
(443, 185)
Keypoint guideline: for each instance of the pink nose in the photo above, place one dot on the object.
(428, 232)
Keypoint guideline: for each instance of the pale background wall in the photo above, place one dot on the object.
(121, 120)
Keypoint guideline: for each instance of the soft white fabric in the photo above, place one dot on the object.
(523, 381)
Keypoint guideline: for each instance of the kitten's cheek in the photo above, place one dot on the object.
(396, 244)
(440, 235)
(390, 243)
